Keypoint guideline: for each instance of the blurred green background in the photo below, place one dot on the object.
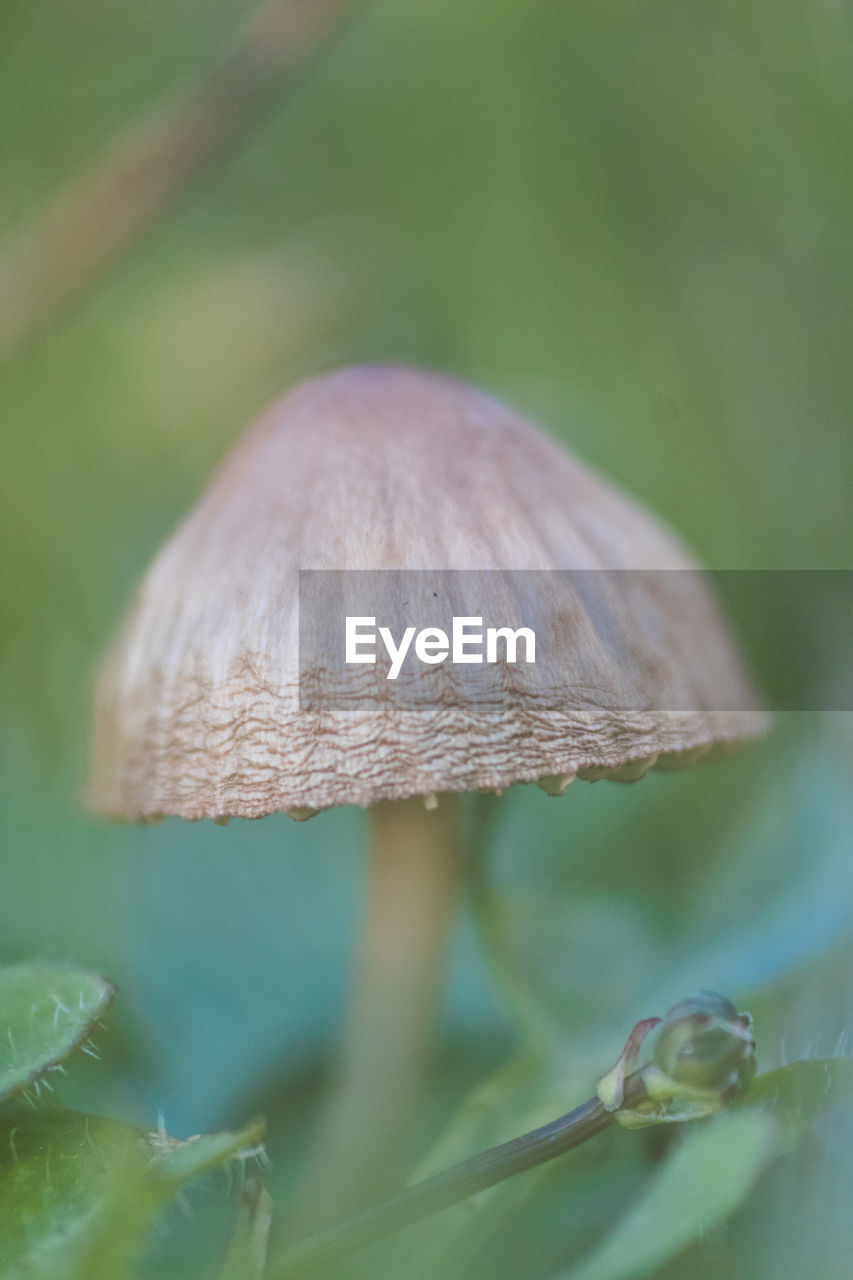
(632, 221)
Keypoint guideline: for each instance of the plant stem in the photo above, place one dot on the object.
(364, 1135)
(71, 241)
(455, 1184)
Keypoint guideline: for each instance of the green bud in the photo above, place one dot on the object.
(704, 1043)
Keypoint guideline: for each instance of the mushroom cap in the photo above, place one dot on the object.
(198, 708)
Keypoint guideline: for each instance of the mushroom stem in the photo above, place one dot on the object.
(364, 1135)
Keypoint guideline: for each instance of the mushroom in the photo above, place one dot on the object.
(198, 710)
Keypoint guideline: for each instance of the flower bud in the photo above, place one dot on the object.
(704, 1043)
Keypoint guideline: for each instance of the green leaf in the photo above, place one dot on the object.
(698, 1185)
(78, 1192)
(46, 1012)
(797, 1092)
(56, 1170)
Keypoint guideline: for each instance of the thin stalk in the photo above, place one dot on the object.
(453, 1185)
(144, 170)
(364, 1136)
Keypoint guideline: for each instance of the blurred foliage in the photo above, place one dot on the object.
(633, 222)
(78, 1192)
(696, 1187)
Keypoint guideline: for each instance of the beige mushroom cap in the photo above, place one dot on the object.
(385, 467)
